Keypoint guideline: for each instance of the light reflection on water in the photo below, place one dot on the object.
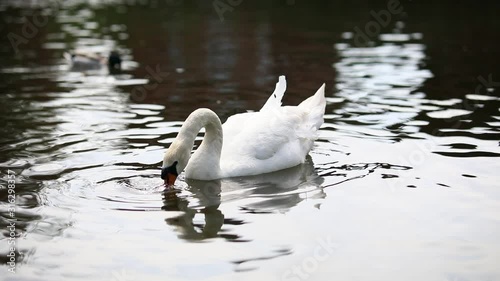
(398, 177)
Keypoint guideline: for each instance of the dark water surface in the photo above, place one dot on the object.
(403, 183)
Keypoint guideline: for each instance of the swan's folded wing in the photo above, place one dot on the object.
(266, 145)
(257, 135)
(264, 142)
(237, 124)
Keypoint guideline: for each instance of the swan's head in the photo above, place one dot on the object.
(175, 160)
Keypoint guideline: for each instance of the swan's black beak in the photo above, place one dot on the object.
(169, 174)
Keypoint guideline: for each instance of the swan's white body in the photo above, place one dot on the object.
(274, 138)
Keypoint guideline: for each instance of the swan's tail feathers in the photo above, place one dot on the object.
(315, 107)
(274, 100)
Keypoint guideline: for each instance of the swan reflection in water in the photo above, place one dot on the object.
(273, 192)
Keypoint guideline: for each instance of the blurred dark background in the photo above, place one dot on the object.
(258, 40)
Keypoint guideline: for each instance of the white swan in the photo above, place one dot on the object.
(274, 138)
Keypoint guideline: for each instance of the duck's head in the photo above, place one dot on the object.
(114, 61)
(175, 160)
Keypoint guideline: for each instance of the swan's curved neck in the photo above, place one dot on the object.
(205, 162)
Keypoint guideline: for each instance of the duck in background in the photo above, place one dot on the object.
(80, 61)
